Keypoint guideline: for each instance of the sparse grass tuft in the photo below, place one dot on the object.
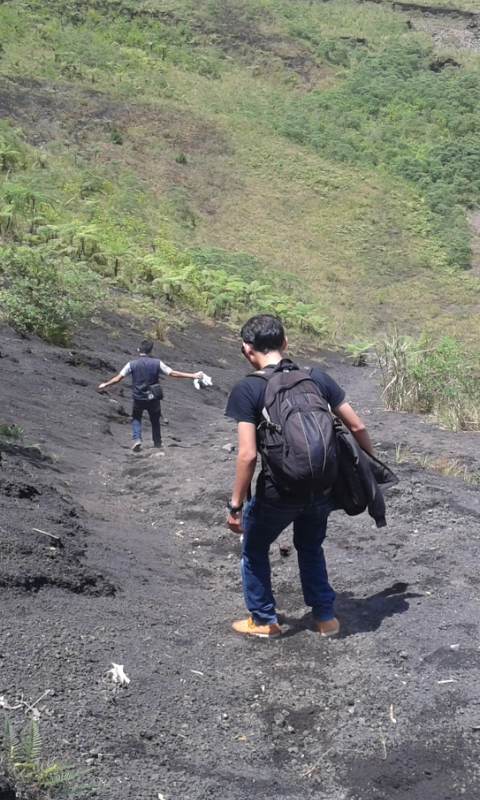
(403, 454)
(35, 448)
(448, 465)
(115, 136)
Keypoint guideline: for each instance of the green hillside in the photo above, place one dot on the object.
(316, 160)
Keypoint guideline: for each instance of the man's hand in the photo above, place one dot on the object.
(234, 522)
(112, 382)
(197, 376)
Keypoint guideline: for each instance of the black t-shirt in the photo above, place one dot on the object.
(246, 402)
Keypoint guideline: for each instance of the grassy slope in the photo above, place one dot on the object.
(206, 80)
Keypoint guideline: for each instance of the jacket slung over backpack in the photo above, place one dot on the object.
(296, 436)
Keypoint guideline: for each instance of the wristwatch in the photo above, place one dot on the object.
(234, 509)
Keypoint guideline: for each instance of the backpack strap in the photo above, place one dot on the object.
(286, 364)
(260, 373)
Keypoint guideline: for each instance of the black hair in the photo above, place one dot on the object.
(264, 333)
(146, 346)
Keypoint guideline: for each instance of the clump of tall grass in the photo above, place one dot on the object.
(438, 379)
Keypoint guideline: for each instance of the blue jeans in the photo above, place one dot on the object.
(153, 409)
(263, 522)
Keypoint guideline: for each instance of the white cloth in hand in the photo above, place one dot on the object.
(200, 383)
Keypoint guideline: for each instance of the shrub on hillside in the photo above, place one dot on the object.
(42, 298)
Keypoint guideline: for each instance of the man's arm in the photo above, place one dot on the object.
(194, 375)
(114, 380)
(353, 422)
(247, 458)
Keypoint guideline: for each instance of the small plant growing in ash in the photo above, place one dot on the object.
(10, 431)
(23, 759)
(403, 454)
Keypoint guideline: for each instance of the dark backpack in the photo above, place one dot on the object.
(296, 436)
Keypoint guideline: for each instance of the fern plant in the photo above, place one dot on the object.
(24, 756)
(11, 741)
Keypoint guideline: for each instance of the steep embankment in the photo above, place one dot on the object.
(147, 575)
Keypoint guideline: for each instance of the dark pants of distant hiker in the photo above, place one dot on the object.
(263, 522)
(153, 409)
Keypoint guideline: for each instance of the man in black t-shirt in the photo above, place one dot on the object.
(270, 511)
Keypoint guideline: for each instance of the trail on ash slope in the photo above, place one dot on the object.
(144, 573)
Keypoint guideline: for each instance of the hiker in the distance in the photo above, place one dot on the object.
(303, 496)
(146, 390)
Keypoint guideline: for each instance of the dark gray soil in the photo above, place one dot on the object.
(146, 574)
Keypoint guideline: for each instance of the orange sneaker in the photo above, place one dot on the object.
(271, 631)
(330, 628)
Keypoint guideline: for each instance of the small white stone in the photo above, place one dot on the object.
(455, 647)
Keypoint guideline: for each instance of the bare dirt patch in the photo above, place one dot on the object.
(445, 32)
(77, 112)
(253, 44)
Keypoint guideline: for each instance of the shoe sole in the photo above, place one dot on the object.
(260, 635)
(136, 447)
(326, 634)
